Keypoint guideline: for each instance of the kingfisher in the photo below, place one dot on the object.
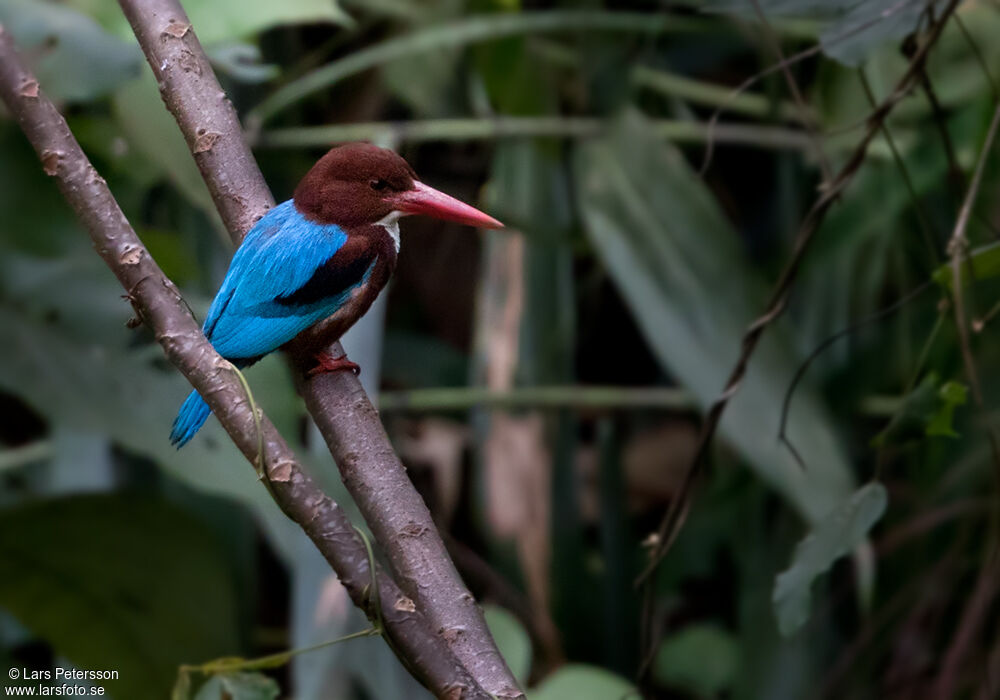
(313, 265)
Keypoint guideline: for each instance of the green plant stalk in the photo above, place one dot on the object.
(680, 86)
(464, 32)
(472, 129)
(602, 398)
(704, 93)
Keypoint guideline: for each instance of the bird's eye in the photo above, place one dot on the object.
(379, 185)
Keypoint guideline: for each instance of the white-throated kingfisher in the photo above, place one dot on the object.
(320, 259)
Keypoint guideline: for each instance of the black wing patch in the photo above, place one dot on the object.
(334, 277)
(209, 328)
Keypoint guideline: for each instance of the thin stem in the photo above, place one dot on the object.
(463, 32)
(582, 398)
(922, 218)
(805, 114)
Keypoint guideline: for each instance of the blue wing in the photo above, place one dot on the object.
(279, 255)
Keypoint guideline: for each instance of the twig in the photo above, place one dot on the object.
(806, 115)
(985, 588)
(779, 294)
(911, 190)
(830, 340)
(349, 423)
(158, 303)
(957, 249)
(784, 64)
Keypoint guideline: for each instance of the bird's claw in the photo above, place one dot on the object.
(327, 363)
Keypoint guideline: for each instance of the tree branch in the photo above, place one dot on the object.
(350, 425)
(159, 304)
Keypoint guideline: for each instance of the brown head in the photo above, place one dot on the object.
(358, 184)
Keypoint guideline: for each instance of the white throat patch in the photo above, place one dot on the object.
(390, 222)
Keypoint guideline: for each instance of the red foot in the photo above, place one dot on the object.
(328, 363)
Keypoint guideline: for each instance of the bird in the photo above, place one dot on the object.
(314, 264)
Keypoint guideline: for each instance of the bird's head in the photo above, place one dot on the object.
(359, 184)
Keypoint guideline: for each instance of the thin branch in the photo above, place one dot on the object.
(806, 115)
(911, 190)
(349, 423)
(957, 251)
(985, 589)
(784, 64)
(157, 301)
(786, 402)
(779, 294)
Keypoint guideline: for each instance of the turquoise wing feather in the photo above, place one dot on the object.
(279, 255)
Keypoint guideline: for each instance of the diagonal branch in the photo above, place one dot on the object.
(159, 304)
(349, 423)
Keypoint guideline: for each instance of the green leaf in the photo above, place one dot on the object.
(120, 582)
(239, 686)
(928, 410)
(836, 535)
(679, 266)
(983, 261)
(226, 20)
(512, 640)
(852, 28)
(579, 682)
(469, 30)
(911, 419)
(950, 395)
(102, 387)
(72, 56)
(152, 131)
(701, 659)
(242, 62)
(217, 21)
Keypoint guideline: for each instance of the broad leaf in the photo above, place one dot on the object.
(72, 56)
(579, 682)
(105, 389)
(512, 640)
(152, 131)
(836, 535)
(239, 686)
(69, 575)
(678, 264)
(701, 659)
(851, 28)
(227, 20)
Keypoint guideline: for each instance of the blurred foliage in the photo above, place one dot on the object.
(626, 264)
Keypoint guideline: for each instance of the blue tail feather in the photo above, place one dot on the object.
(193, 414)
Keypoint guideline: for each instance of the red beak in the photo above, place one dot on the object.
(429, 202)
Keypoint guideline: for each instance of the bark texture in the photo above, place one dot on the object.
(350, 425)
(159, 304)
